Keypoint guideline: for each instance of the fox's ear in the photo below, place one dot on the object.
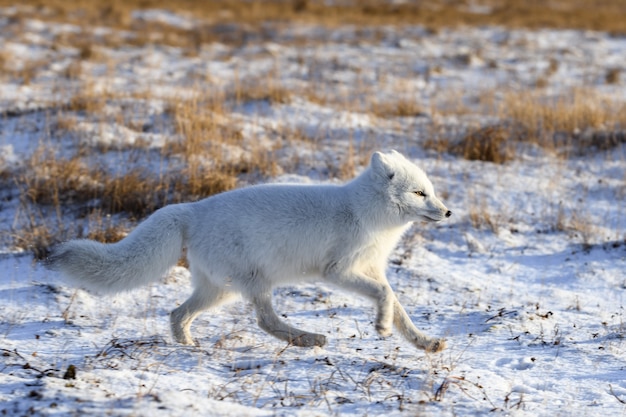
(397, 154)
(381, 165)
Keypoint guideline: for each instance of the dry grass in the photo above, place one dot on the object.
(578, 223)
(68, 184)
(49, 180)
(490, 144)
(88, 99)
(613, 76)
(581, 119)
(608, 15)
(53, 181)
(481, 217)
(398, 108)
(102, 228)
(23, 73)
(262, 89)
(582, 228)
(35, 238)
(572, 123)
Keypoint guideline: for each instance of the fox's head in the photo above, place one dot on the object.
(406, 188)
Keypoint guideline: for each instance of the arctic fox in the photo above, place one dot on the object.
(250, 240)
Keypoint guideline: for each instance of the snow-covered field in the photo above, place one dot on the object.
(527, 280)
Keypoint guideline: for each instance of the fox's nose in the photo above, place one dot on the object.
(448, 213)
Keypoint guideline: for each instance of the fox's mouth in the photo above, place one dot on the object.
(435, 216)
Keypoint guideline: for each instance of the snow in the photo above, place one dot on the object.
(165, 17)
(533, 313)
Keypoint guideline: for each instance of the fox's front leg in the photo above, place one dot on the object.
(384, 318)
(404, 324)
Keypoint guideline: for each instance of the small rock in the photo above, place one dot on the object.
(70, 373)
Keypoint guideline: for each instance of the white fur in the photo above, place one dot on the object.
(251, 240)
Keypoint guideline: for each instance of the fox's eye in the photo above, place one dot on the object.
(420, 193)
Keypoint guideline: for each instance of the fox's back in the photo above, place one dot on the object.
(292, 229)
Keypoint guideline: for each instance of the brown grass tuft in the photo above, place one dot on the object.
(268, 90)
(49, 180)
(36, 238)
(489, 144)
(137, 193)
(493, 143)
(398, 108)
(205, 182)
(612, 76)
(103, 229)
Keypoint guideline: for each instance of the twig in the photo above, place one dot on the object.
(615, 395)
(66, 312)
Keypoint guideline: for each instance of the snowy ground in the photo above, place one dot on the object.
(532, 306)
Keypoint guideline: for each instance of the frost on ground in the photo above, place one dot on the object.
(526, 281)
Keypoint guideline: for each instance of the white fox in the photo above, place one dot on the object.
(250, 240)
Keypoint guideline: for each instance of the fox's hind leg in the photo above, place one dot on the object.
(204, 296)
(271, 323)
(403, 323)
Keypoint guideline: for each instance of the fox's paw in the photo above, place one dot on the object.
(308, 340)
(182, 336)
(184, 339)
(384, 331)
(437, 345)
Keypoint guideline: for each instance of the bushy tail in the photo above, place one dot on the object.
(140, 258)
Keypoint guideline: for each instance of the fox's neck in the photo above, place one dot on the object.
(374, 213)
